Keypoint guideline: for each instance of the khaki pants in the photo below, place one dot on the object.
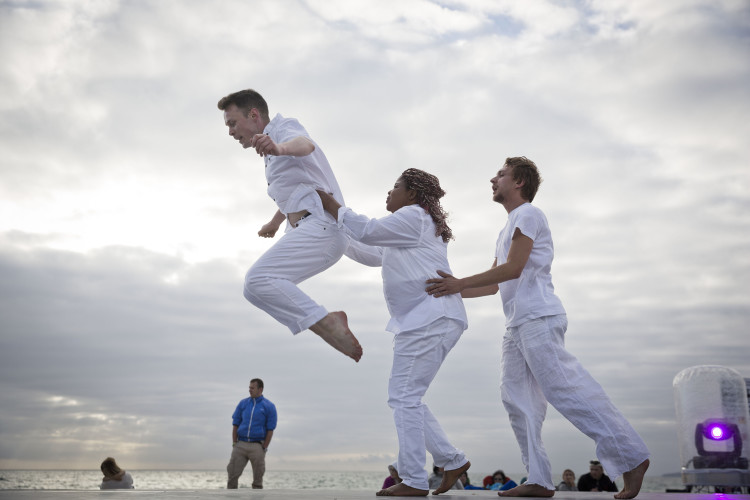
(242, 453)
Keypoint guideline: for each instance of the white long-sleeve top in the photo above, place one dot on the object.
(410, 253)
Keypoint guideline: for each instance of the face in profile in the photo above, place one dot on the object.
(242, 128)
(502, 184)
(399, 196)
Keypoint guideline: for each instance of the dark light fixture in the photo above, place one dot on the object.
(718, 430)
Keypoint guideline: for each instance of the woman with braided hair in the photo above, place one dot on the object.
(428, 192)
(409, 244)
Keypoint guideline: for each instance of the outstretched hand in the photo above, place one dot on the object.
(445, 285)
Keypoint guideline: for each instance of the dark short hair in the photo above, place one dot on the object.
(525, 170)
(245, 100)
(259, 382)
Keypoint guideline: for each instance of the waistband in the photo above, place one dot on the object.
(297, 218)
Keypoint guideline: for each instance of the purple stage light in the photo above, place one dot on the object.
(717, 431)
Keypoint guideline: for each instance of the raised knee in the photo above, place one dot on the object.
(254, 286)
(248, 293)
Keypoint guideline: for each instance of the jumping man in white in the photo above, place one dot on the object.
(410, 244)
(295, 168)
(536, 366)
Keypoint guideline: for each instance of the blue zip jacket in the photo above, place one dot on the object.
(254, 417)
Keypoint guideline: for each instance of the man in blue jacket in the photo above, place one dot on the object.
(253, 423)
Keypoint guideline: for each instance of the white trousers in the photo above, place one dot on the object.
(271, 283)
(536, 369)
(417, 357)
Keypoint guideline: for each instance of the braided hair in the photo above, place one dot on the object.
(429, 192)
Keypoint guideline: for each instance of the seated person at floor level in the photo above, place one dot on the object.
(500, 482)
(596, 479)
(436, 479)
(464, 478)
(393, 478)
(114, 477)
(569, 481)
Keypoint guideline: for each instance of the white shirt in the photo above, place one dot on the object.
(292, 180)
(411, 254)
(532, 295)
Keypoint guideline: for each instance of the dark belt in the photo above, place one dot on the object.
(307, 214)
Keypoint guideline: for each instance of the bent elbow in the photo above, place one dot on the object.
(308, 147)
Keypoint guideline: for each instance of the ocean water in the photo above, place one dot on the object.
(217, 479)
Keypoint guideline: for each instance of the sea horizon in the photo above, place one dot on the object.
(176, 479)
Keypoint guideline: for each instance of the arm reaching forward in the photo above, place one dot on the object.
(330, 204)
(486, 283)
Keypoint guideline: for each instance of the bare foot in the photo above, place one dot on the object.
(633, 480)
(334, 329)
(527, 490)
(402, 490)
(450, 477)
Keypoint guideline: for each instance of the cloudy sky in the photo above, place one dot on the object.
(128, 217)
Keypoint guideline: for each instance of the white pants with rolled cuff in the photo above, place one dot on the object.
(271, 283)
(537, 369)
(417, 357)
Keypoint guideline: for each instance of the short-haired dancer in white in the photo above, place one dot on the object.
(410, 244)
(295, 167)
(536, 367)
